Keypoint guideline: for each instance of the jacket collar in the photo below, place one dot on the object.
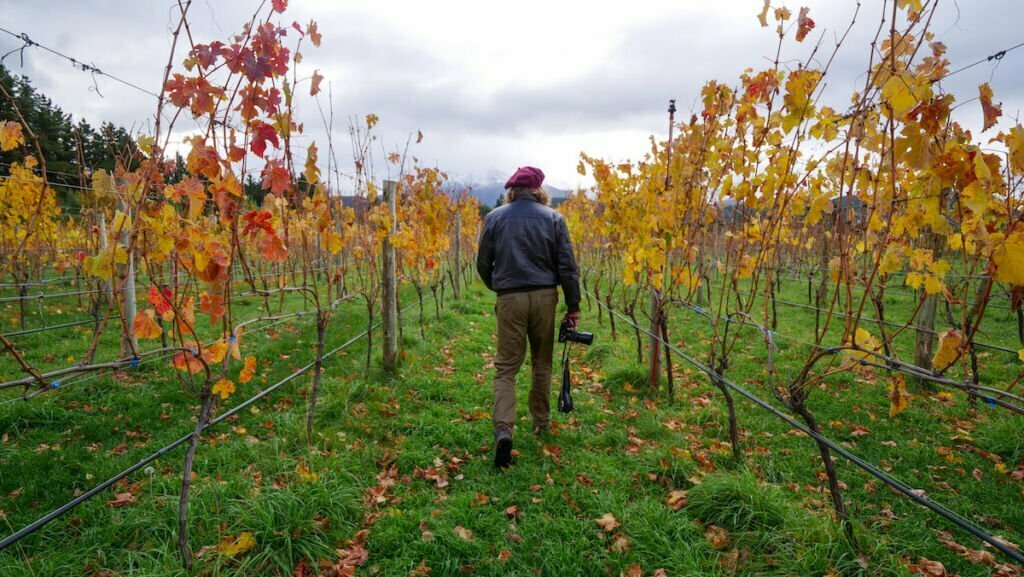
(530, 197)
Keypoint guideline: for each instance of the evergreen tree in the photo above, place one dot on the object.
(60, 139)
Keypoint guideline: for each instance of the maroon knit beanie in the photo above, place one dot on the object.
(526, 177)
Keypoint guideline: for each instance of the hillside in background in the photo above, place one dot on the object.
(489, 193)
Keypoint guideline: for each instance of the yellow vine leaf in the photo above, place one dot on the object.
(10, 136)
(1020, 355)
(216, 352)
(248, 371)
(332, 241)
(146, 143)
(302, 470)
(746, 268)
(224, 388)
(976, 197)
(933, 285)
(903, 92)
(911, 5)
(687, 279)
(899, 398)
(866, 341)
(233, 546)
(914, 280)
(950, 344)
(1009, 260)
(312, 173)
(891, 262)
(145, 327)
(981, 169)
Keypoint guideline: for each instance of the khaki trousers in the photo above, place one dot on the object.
(524, 316)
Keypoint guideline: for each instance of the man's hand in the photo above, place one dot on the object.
(571, 319)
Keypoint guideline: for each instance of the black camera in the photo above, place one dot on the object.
(564, 334)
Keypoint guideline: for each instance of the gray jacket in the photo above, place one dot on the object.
(525, 246)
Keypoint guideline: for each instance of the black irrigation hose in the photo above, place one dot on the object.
(58, 512)
(938, 508)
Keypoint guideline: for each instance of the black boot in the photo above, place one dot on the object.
(503, 450)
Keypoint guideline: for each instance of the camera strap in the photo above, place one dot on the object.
(565, 404)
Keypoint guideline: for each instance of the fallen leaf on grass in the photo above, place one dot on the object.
(355, 556)
(1000, 570)
(302, 569)
(620, 543)
(513, 512)
(677, 499)
(928, 567)
(421, 570)
(717, 537)
(973, 555)
(608, 522)
(732, 560)
(463, 532)
(304, 473)
(121, 499)
(233, 546)
(859, 431)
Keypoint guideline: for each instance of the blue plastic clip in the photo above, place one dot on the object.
(991, 402)
(833, 351)
(55, 384)
(134, 362)
(698, 310)
(232, 338)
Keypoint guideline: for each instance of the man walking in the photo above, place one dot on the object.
(525, 253)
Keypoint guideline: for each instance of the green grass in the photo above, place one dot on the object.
(622, 452)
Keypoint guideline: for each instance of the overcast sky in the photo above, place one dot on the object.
(497, 85)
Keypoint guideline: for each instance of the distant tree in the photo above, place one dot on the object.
(253, 190)
(179, 171)
(60, 138)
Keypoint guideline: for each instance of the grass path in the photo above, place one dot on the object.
(401, 480)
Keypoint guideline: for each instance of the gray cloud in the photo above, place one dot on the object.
(477, 127)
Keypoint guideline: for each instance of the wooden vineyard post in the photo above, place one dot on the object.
(129, 344)
(457, 285)
(654, 362)
(924, 341)
(390, 292)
